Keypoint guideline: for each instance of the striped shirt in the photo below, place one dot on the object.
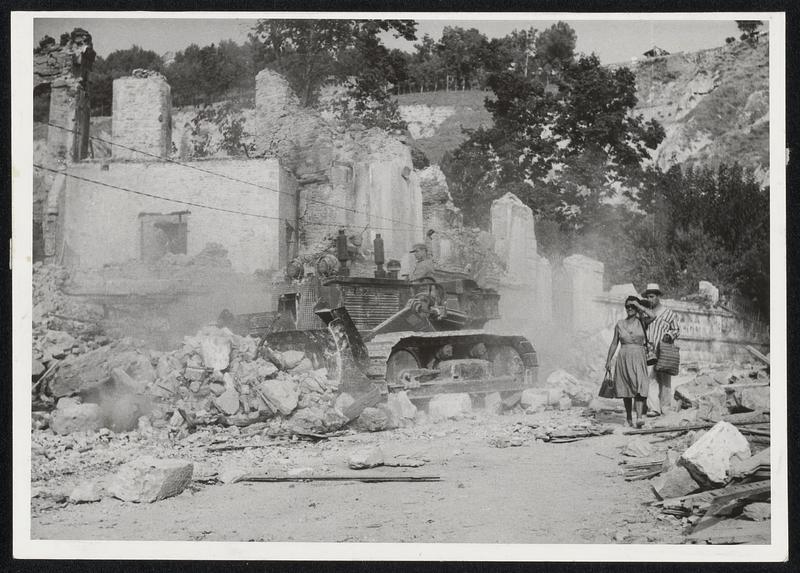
(666, 322)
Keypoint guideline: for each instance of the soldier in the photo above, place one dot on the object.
(424, 265)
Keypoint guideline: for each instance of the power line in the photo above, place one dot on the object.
(190, 203)
(217, 174)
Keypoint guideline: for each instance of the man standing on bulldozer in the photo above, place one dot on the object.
(423, 263)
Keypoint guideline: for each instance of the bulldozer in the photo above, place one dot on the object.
(426, 337)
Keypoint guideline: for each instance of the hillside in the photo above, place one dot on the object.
(713, 104)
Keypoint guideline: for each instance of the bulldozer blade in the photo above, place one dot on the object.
(352, 354)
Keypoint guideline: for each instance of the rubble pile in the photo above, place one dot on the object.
(62, 326)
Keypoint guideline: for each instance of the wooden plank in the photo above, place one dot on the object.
(365, 478)
(683, 428)
(709, 495)
(757, 354)
(733, 532)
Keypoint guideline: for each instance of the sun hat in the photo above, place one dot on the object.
(652, 288)
(418, 246)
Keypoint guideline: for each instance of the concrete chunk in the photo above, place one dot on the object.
(216, 352)
(402, 407)
(673, 483)
(638, 448)
(228, 402)
(150, 479)
(373, 420)
(72, 416)
(709, 458)
(757, 511)
(281, 394)
(449, 406)
(365, 458)
(85, 492)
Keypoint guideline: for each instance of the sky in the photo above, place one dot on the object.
(614, 41)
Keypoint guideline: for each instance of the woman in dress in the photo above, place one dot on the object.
(630, 374)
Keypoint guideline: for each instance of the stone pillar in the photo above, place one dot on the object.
(586, 282)
(142, 117)
(513, 231)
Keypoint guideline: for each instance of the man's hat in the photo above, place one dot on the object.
(652, 288)
(418, 246)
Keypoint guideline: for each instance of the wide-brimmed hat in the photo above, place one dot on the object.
(652, 288)
(418, 246)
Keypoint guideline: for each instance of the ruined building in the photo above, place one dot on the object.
(308, 180)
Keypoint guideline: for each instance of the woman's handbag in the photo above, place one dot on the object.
(607, 388)
(649, 349)
(669, 358)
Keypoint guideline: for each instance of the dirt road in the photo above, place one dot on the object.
(535, 493)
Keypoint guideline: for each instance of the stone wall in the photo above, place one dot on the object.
(708, 335)
(141, 117)
(102, 225)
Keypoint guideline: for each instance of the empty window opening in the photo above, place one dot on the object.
(163, 233)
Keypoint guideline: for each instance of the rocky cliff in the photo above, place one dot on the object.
(713, 104)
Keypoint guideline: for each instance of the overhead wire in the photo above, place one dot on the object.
(190, 203)
(235, 179)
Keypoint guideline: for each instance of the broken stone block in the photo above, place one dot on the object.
(85, 492)
(72, 416)
(228, 402)
(308, 421)
(638, 447)
(580, 392)
(291, 358)
(752, 399)
(150, 479)
(758, 511)
(343, 401)
(689, 394)
(216, 352)
(402, 407)
(493, 403)
(449, 406)
(281, 395)
(709, 458)
(365, 458)
(536, 399)
(673, 483)
(37, 369)
(372, 420)
(392, 420)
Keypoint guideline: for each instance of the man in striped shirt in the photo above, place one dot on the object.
(663, 326)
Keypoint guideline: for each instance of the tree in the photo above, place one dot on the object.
(563, 153)
(463, 53)
(306, 51)
(749, 30)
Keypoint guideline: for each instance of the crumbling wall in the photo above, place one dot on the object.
(141, 117)
(102, 225)
(64, 69)
(348, 177)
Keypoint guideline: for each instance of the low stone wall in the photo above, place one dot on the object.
(708, 335)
